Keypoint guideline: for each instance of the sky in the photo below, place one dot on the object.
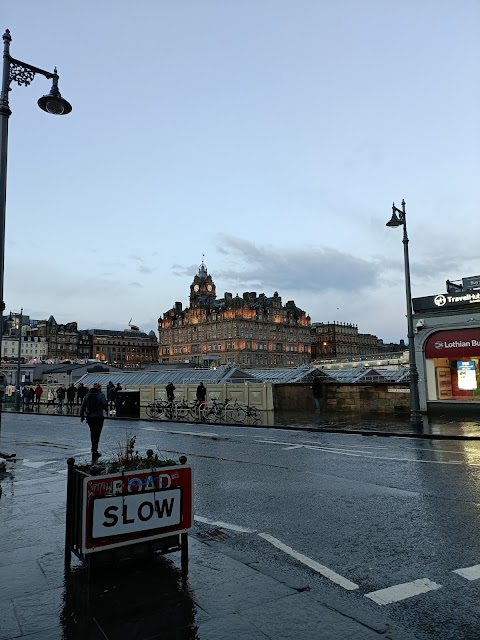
(269, 136)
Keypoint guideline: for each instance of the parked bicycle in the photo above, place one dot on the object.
(202, 411)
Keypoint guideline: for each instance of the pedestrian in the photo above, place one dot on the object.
(170, 389)
(81, 392)
(201, 392)
(93, 407)
(38, 394)
(317, 392)
(50, 398)
(71, 393)
(111, 394)
(61, 392)
(27, 397)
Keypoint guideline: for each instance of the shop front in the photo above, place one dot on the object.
(447, 346)
(452, 366)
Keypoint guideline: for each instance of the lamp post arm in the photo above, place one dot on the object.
(23, 73)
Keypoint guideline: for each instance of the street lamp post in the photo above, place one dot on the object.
(22, 73)
(397, 221)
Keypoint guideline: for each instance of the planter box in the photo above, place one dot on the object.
(128, 514)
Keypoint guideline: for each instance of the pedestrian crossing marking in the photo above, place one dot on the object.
(469, 573)
(403, 591)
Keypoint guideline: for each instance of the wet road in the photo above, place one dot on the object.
(345, 516)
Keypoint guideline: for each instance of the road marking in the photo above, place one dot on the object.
(187, 433)
(366, 454)
(319, 568)
(470, 573)
(402, 591)
(224, 525)
(36, 465)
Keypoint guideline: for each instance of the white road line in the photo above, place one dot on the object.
(390, 447)
(319, 568)
(402, 591)
(185, 433)
(366, 455)
(36, 465)
(470, 573)
(224, 525)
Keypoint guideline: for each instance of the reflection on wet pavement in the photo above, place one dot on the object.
(461, 425)
(139, 601)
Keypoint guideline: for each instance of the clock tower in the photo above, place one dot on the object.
(202, 289)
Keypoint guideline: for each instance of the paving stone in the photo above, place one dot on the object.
(298, 616)
(21, 579)
(219, 597)
(40, 612)
(9, 627)
(238, 629)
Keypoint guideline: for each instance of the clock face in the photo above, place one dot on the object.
(209, 287)
(196, 287)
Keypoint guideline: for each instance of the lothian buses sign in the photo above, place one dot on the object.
(454, 345)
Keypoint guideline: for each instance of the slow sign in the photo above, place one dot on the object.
(138, 512)
(136, 506)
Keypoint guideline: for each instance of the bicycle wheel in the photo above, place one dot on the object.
(182, 411)
(152, 410)
(237, 414)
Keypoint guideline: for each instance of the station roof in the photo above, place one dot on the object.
(221, 374)
(284, 376)
(368, 374)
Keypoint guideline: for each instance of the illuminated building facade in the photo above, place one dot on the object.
(249, 331)
(340, 340)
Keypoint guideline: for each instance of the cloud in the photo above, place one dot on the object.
(144, 269)
(294, 268)
(179, 270)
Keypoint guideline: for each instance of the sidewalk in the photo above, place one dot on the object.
(226, 597)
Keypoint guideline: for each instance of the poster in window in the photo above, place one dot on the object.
(467, 379)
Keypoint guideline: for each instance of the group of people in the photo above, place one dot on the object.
(63, 398)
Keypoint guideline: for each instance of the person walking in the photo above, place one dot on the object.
(38, 394)
(93, 407)
(81, 392)
(71, 393)
(317, 393)
(61, 392)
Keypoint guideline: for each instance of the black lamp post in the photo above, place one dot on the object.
(22, 73)
(397, 221)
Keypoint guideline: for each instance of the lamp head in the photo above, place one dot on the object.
(53, 102)
(394, 221)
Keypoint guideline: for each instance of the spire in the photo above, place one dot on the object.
(202, 271)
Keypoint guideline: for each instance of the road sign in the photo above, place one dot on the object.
(136, 506)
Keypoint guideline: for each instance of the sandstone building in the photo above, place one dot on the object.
(250, 330)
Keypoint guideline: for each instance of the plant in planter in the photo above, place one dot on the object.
(128, 459)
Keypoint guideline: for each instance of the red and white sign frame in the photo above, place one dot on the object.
(121, 509)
